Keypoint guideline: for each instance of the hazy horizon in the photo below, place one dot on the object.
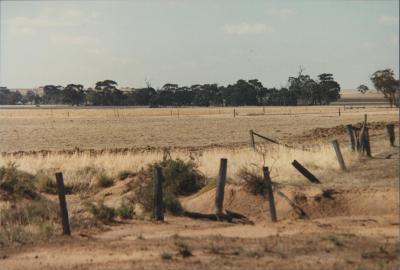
(188, 42)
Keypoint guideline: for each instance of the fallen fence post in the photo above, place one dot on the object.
(390, 130)
(270, 192)
(219, 192)
(350, 132)
(339, 156)
(252, 143)
(158, 210)
(306, 173)
(63, 204)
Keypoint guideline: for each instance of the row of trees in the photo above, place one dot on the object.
(301, 89)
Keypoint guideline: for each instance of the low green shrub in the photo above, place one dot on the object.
(253, 182)
(125, 210)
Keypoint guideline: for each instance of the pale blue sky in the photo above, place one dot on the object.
(189, 42)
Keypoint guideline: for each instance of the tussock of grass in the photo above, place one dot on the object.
(253, 181)
(166, 256)
(103, 181)
(102, 212)
(183, 249)
(125, 210)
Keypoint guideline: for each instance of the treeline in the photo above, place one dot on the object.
(300, 90)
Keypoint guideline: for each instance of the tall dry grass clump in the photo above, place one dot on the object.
(80, 170)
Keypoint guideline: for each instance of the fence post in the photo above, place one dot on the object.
(390, 130)
(350, 132)
(234, 113)
(63, 204)
(339, 111)
(271, 199)
(252, 143)
(306, 173)
(366, 142)
(339, 156)
(158, 210)
(219, 192)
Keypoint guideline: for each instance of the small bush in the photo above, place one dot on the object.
(125, 210)
(183, 249)
(102, 212)
(17, 183)
(253, 182)
(180, 178)
(166, 256)
(103, 181)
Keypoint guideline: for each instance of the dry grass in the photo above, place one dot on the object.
(100, 128)
(81, 169)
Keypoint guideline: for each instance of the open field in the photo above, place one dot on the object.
(141, 128)
(352, 217)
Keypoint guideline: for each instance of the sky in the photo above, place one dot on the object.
(195, 42)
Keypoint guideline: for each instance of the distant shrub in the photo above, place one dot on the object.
(103, 181)
(166, 256)
(253, 182)
(102, 212)
(125, 210)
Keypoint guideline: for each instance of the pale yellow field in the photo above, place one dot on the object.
(36, 129)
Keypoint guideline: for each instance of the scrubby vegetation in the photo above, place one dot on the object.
(252, 181)
(180, 178)
(103, 181)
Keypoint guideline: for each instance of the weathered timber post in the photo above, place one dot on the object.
(339, 111)
(63, 204)
(234, 113)
(252, 143)
(350, 132)
(339, 156)
(306, 173)
(390, 130)
(270, 192)
(220, 188)
(158, 210)
(366, 142)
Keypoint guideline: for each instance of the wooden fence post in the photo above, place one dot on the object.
(339, 111)
(390, 130)
(350, 132)
(366, 142)
(234, 113)
(339, 156)
(252, 143)
(270, 192)
(220, 188)
(306, 173)
(158, 210)
(63, 204)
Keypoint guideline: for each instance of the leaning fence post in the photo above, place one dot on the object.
(350, 132)
(158, 211)
(219, 193)
(390, 130)
(271, 199)
(63, 204)
(306, 173)
(252, 143)
(339, 156)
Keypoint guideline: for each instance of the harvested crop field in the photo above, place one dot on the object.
(140, 128)
(349, 221)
